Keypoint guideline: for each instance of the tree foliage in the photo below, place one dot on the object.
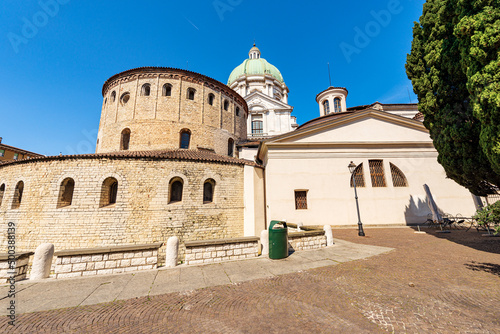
(454, 66)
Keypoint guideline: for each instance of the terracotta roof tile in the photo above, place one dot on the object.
(179, 154)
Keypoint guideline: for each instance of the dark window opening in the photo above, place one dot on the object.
(211, 98)
(146, 90)
(208, 191)
(175, 191)
(226, 105)
(125, 140)
(18, 195)
(237, 111)
(109, 191)
(185, 139)
(66, 193)
(300, 199)
(167, 90)
(2, 191)
(230, 147)
(191, 93)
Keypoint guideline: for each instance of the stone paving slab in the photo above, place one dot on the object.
(54, 294)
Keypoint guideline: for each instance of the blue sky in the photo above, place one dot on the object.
(54, 59)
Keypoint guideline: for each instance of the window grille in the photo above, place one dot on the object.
(398, 177)
(359, 177)
(377, 173)
(300, 199)
(257, 127)
(336, 105)
(326, 106)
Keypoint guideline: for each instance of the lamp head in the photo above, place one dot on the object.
(352, 167)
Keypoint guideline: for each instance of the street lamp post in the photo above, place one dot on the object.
(352, 168)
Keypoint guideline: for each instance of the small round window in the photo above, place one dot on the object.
(125, 98)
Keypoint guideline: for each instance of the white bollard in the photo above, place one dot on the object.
(329, 235)
(172, 252)
(299, 226)
(42, 261)
(264, 242)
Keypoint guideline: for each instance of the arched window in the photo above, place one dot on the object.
(175, 193)
(2, 191)
(398, 177)
(237, 111)
(191, 93)
(226, 105)
(167, 90)
(230, 147)
(66, 193)
(146, 90)
(18, 195)
(377, 173)
(109, 191)
(113, 96)
(185, 138)
(326, 107)
(208, 191)
(358, 177)
(125, 140)
(211, 98)
(125, 98)
(336, 105)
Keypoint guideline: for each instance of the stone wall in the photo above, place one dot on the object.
(142, 213)
(20, 269)
(155, 121)
(306, 240)
(105, 261)
(210, 251)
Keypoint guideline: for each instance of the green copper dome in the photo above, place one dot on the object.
(255, 66)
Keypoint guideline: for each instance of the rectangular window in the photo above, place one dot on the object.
(377, 173)
(257, 127)
(300, 199)
(16, 155)
(2, 153)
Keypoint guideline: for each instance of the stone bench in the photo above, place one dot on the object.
(306, 240)
(20, 269)
(210, 251)
(106, 260)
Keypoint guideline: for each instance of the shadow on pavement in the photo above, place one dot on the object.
(471, 238)
(490, 268)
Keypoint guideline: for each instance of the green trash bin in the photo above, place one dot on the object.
(278, 240)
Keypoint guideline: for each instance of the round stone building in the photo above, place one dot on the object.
(164, 166)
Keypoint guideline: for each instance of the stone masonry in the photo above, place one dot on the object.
(21, 267)
(306, 240)
(155, 120)
(198, 252)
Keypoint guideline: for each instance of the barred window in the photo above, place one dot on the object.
(358, 177)
(336, 105)
(377, 173)
(398, 177)
(257, 127)
(326, 107)
(300, 199)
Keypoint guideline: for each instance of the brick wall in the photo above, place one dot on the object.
(155, 121)
(142, 213)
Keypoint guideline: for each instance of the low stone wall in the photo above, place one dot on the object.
(306, 240)
(107, 260)
(21, 267)
(210, 251)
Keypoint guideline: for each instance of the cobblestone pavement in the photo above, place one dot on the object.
(430, 283)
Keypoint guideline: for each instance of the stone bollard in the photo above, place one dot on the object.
(329, 235)
(299, 226)
(264, 242)
(42, 261)
(172, 252)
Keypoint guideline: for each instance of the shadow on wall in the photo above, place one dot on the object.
(417, 210)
